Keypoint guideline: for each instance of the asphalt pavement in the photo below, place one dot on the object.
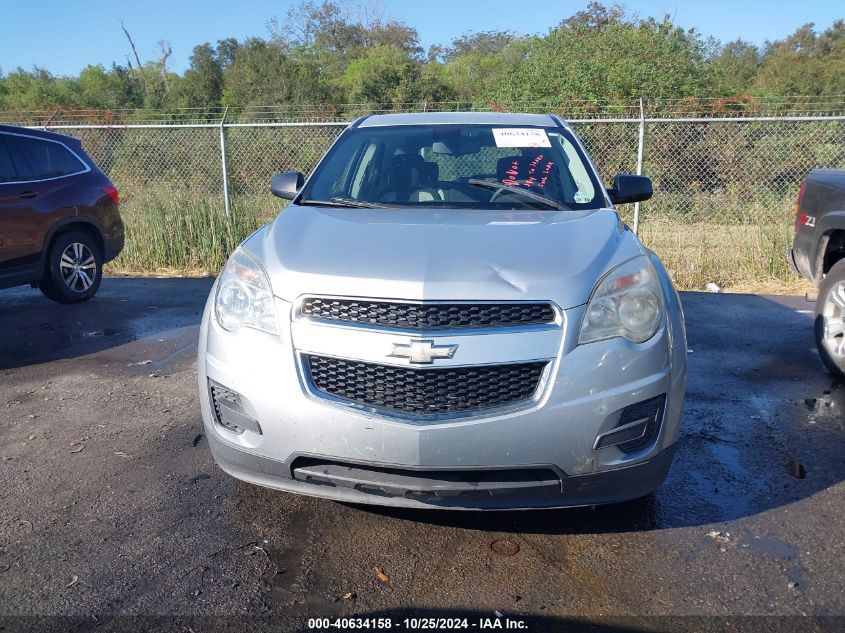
(113, 515)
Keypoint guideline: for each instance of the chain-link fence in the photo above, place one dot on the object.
(725, 188)
(722, 208)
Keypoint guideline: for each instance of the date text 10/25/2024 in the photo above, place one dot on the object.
(499, 622)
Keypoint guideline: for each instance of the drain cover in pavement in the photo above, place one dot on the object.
(504, 547)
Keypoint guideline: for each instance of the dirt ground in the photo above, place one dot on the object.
(113, 515)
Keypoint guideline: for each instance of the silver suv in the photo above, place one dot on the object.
(449, 314)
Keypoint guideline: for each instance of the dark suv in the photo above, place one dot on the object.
(59, 219)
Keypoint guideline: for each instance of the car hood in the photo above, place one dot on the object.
(441, 254)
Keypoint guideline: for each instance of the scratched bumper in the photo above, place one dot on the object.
(586, 394)
(426, 490)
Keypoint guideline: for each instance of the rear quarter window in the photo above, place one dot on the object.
(44, 159)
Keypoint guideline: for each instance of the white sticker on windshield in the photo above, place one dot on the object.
(520, 137)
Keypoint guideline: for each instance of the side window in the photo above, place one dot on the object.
(7, 167)
(44, 159)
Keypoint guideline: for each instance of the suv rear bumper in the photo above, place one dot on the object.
(112, 247)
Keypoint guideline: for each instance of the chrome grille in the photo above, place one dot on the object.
(428, 316)
(424, 391)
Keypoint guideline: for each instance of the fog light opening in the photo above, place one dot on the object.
(229, 412)
(638, 426)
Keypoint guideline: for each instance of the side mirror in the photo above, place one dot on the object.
(630, 188)
(287, 184)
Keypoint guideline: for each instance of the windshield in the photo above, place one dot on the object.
(456, 166)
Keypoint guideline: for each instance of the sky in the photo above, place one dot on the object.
(64, 36)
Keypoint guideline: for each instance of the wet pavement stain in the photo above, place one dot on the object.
(787, 554)
(796, 469)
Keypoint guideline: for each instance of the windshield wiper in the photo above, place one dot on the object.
(498, 186)
(338, 201)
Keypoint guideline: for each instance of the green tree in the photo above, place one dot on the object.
(327, 37)
(473, 73)
(381, 77)
(262, 73)
(734, 67)
(330, 52)
(431, 84)
(596, 17)
(226, 50)
(4, 91)
(202, 83)
(481, 44)
(601, 55)
(34, 90)
(805, 63)
(95, 87)
(396, 34)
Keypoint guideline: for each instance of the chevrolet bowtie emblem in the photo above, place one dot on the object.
(422, 352)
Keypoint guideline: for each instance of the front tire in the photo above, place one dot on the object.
(830, 320)
(74, 268)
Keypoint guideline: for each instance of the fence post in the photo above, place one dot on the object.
(223, 161)
(50, 120)
(639, 164)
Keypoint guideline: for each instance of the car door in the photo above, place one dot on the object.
(15, 211)
(27, 207)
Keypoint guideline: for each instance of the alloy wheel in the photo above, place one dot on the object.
(78, 267)
(833, 313)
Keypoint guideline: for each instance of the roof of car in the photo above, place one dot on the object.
(38, 132)
(460, 118)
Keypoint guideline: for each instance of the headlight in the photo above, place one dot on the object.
(244, 297)
(627, 302)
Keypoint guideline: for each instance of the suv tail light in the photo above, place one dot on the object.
(798, 215)
(112, 193)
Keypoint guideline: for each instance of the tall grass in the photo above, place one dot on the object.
(724, 238)
(172, 232)
(725, 254)
(177, 232)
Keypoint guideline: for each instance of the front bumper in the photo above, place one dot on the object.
(427, 490)
(359, 456)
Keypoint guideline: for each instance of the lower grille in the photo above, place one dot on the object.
(424, 391)
(462, 488)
